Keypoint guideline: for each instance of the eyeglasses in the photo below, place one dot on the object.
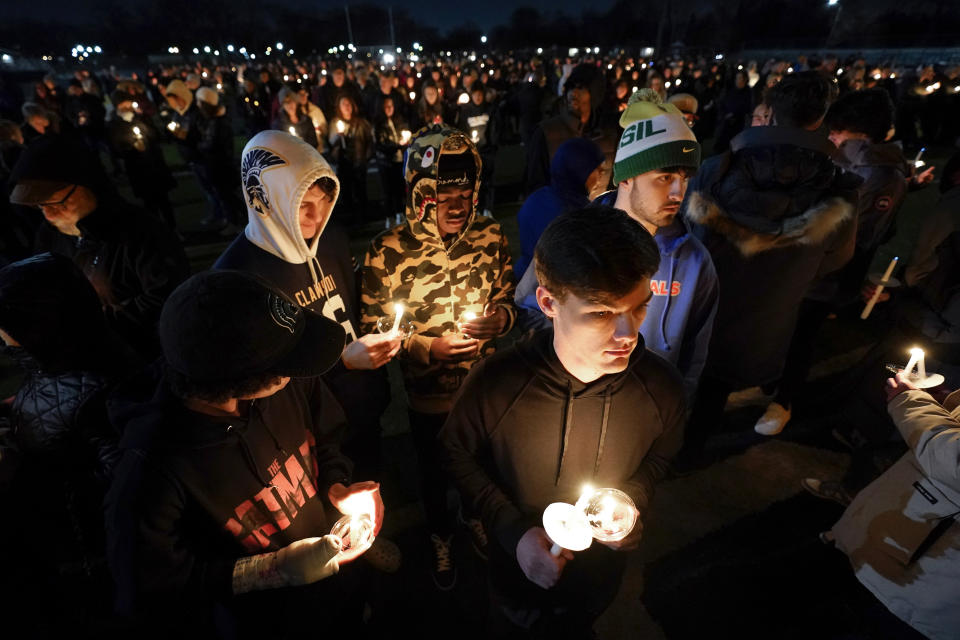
(60, 202)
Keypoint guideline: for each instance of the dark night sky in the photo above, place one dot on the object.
(440, 13)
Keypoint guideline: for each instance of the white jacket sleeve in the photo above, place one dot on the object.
(932, 433)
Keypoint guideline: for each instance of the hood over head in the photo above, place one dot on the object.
(180, 89)
(430, 148)
(276, 170)
(572, 163)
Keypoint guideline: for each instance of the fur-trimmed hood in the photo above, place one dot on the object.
(811, 227)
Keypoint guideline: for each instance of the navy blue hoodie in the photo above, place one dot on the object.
(573, 162)
(680, 314)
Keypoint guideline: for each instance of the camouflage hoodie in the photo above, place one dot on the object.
(436, 282)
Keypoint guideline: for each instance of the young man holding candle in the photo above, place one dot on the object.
(581, 403)
(229, 462)
(290, 191)
(443, 262)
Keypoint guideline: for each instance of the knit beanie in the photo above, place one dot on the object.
(207, 95)
(655, 136)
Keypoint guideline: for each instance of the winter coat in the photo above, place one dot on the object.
(142, 156)
(304, 127)
(193, 493)
(436, 280)
(776, 214)
(524, 433)
(884, 172)
(388, 133)
(133, 262)
(900, 532)
(573, 162)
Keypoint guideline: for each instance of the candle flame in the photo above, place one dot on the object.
(916, 352)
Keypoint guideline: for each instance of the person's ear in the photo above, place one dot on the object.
(547, 302)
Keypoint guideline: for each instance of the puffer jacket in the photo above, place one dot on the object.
(776, 214)
(434, 280)
(901, 532)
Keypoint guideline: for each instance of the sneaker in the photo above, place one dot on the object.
(384, 555)
(752, 396)
(443, 572)
(827, 489)
(773, 420)
(478, 536)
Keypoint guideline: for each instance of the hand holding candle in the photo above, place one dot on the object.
(915, 373)
(567, 527)
(397, 317)
(611, 513)
(405, 136)
(486, 326)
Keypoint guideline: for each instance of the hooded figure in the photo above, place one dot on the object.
(437, 278)
(279, 173)
(574, 163)
(442, 263)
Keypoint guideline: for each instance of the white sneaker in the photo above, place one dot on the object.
(773, 420)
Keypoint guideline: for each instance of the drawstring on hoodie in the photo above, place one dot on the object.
(567, 420)
(603, 429)
(666, 305)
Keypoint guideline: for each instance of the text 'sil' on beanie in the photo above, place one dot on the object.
(655, 136)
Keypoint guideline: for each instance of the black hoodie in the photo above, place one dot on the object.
(524, 433)
(193, 493)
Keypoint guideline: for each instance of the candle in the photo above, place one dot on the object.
(413, 96)
(293, 131)
(397, 317)
(463, 99)
(916, 361)
(172, 126)
(136, 132)
(341, 127)
(876, 293)
(405, 136)
(355, 532)
(611, 513)
(136, 105)
(917, 162)
(474, 135)
(567, 527)
(465, 317)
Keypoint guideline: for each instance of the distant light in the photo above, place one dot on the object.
(89, 49)
(341, 49)
(877, 76)
(669, 84)
(206, 49)
(539, 50)
(289, 52)
(483, 39)
(678, 82)
(216, 52)
(413, 96)
(98, 49)
(243, 50)
(253, 56)
(572, 51)
(204, 74)
(609, 66)
(286, 78)
(831, 3)
(464, 98)
(596, 49)
(7, 58)
(789, 69)
(280, 46)
(74, 53)
(195, 50)
(839, 72)
(739, 67)
(388, 58)
(635, 89)
(416, 45)
(719, 56)
(230, 48)
(305, 76)
(399, 49)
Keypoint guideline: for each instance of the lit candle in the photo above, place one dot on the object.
(136, 132)
(413, 95)
(405, 136)
(463, 99)
(916, 360)
(341, 127)
(611, 513)
(917, 162)
(293, 131)
(876, 293)
(567, 527)
(136, 105)
(172, 126)
(397, 317)
(465, 317)
(474, 135)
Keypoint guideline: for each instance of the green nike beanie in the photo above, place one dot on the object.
(655, 136)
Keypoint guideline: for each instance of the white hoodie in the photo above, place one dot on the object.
(276, 171)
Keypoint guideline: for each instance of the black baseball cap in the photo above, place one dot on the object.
(49, 164)
(228, 325)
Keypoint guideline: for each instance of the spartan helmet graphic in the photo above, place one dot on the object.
(254, 163)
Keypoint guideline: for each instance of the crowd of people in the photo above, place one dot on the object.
(200, 441)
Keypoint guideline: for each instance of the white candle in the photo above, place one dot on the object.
(567, 527)
(916, 356)
(341, 127)
(876, 293)
(405, 136)
(474, 135)
(172, 126)
(136, 132)
(890, 268)
(397, 317)
(293, 131)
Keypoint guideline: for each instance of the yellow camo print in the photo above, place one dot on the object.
(409, 264)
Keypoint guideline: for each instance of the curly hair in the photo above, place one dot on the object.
(869, 111)
(220, 391)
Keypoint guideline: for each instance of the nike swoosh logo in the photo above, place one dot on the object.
(685, 150)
